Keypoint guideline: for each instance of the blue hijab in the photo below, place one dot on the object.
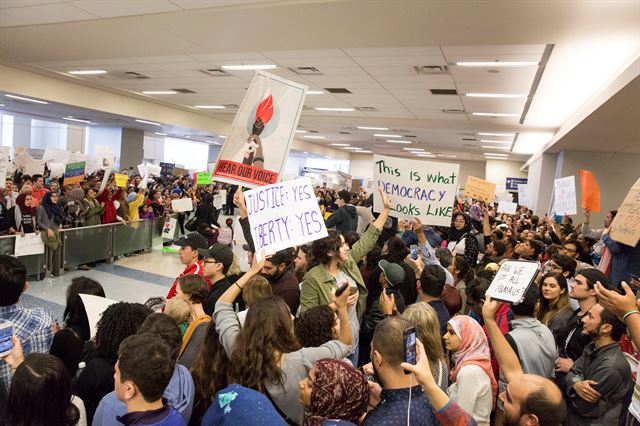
(52, 209)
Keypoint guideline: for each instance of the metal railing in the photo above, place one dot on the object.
(94, 243)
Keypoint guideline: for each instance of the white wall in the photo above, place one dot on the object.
(103, 136)
(361, 166)
(48, 133)
(154, 149)
(497, 171)
(540, 183)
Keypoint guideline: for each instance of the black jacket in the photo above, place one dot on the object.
(345, 219)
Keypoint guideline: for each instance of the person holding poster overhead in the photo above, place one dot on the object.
(461, 239)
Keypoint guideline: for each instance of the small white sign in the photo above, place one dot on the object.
(512, 281)
(564, 196)
(218, 201)
(507, 207)
(169, 229)
(182, 205)
(95, 307)
(523, 195)
(28, 245)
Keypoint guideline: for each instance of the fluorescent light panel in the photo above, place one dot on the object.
(159, 134)
(159, 92)
(148, 122)
(340, 144)
(509, 135)
(301, 131)
(353, 147)
(364, 152)
(315, 92)
(381, 135)
(334, 109)
(76, 119)
(22, 98)
(493, 141)
(372, 128)
(248, 67)
(398, 141)
(86, 72)
(493, 154)
(496, 147)
(314, 137)
(413, 149)
(492, 64)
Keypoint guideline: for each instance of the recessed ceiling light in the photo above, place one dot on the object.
(159, 92)
(353, 147)
(398, 141)
(364, 152)
(314, 137)
(76, 119)
(372, 128)
(426, 155)
(22, 98)
(209, 106)
(449, 156)
(492, 141)
(510, 135)
(494, 95)
(301, 131)
(148, 122)
(413, 149)
(86, 72)
(496, 147)
(380, 135)
(494, 114)
(159, 134)
(248, 67)
(496, 64)
(334, 109)
(340, 144)
(315, 92)
(495, 158)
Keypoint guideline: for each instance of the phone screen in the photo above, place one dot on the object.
(6, 331)
(410, 346)
(414, 251)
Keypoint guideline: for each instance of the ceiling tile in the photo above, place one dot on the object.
(227, 58)
(49, 13)
(407, 61)
(393, 51)
(161, 59)
(197, 4)
(111, 8)
(9, 4)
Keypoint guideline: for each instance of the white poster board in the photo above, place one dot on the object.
(564, 196)
(625, 227)
(283, 215)
(512, 281)
(523, 195)
(95, 307)
(507, 207)
(169, 228)
(182, 205)
(28, 245)
(4, 163)
(28, 164)
(56, 155)
(104, 157)
(218, 201)
(262, 132)
(425, 189)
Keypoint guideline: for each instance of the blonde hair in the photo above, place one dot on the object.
(257, 288)
(178, 309)
(234, 268)
(425, 320)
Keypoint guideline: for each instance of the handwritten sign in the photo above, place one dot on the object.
(425, 189)
(523, 195)
(95, 306)
(121, 180)
(284, 215)
(262, 132)
(74, 173)
(507, 207)
(169, 228)
(513, 280)
(182, 205)
(219, 200)
(203, 178)
(28, 245)
(480, 189)
(564, 196)
(625, 227)
(28, 164)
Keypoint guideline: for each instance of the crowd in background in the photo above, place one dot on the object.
(278, 345)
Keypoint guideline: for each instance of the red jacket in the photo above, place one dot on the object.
(109, 215)
(195, 268)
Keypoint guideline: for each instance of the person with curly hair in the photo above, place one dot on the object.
(118, 322)
(317, 326)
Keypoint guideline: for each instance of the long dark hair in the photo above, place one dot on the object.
(321, 249)
(40, 394)
(209, 371)
(267, 331)
(547, 309)
(465, 271)
(75, 316)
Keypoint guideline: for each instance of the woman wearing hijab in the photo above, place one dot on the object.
(25, 214)
(474, 386)
(333, 390)
(49, 220)
(461, 239)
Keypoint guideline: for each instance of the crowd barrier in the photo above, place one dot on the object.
(93, 243)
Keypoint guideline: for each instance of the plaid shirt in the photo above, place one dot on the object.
(33, 329)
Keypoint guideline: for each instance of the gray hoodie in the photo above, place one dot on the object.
(345, 219)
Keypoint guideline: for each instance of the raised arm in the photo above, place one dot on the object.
(507, 358)
(384, 214)
(234, 291)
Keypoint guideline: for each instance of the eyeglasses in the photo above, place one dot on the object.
(210, 260)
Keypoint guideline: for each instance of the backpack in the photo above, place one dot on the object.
(225, 236)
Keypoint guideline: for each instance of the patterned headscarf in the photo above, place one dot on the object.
(474, 349)
(21, 201)
(340, 392)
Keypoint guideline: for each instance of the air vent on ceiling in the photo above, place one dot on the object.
(469, 139)
(367, 109)
(215, 72)
(443, 91)
(183, 90)
(306, 70)
(409, 136)
(344, 133)
(337, 90)
(453, 111)
(231, 106)
(431, 69)
(467, 134)
(312, 131)
(130, 75)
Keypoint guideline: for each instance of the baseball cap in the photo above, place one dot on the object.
(219, 252)
(392, 272)
(240, 406)
(194, 240)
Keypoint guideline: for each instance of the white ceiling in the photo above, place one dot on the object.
(369, 48)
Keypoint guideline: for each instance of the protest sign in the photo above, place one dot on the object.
(203, 178)
(121, 180)
(590, 189)
(625, 227)
(262, 132)
(55, 155)
(284, 214)
(564, 196)
(507, 207)
(28, 245)
(167, 169)
(182, 205)
(523, 195)
(178, 171)
(169, 229)
(4, 163)
(95, 306)
(218, 200)
(512, 281)
(425, 189)
(28, 164)
(56, 170)
(480, 189)
(104, 157)
(74, 173)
